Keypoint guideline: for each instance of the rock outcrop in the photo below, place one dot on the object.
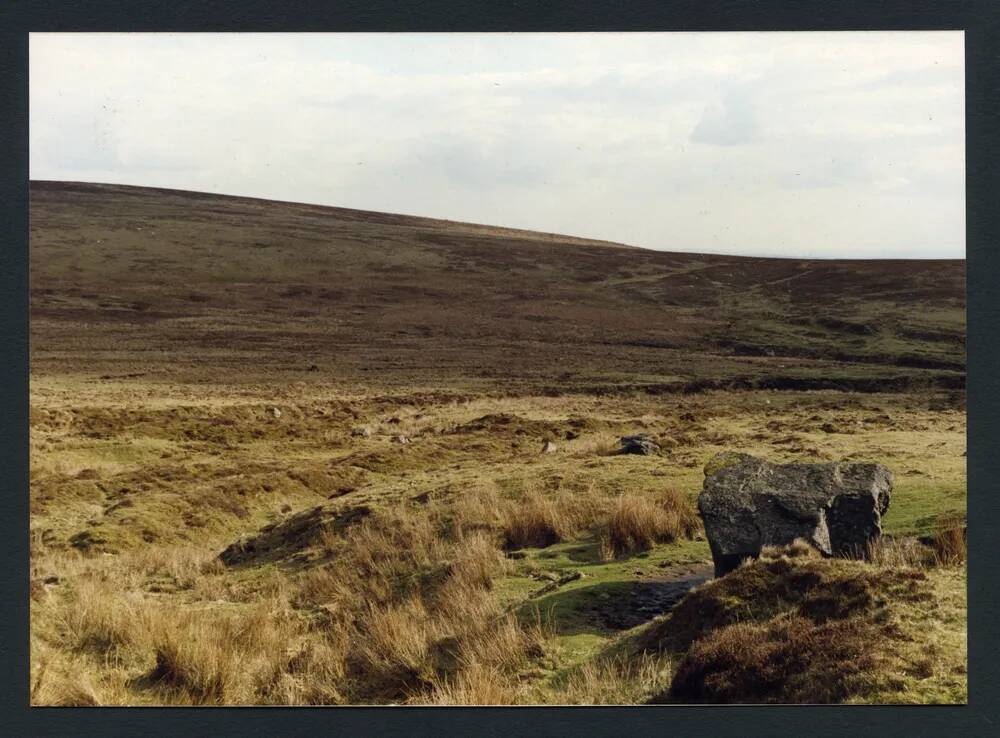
(748, 503)
(641, 443)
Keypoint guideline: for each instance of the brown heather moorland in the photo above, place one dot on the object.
(290, 454)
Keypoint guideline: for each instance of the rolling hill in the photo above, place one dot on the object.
(180, 285)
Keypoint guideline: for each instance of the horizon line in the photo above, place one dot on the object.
(608, 242)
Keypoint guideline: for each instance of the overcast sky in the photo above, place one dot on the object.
(782, 144)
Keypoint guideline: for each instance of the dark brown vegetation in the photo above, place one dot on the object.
(167, 284)
(793, 627)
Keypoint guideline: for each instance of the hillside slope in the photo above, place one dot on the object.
(285, 454)
(181, 285)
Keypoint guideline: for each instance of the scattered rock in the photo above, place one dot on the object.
(400, 439)
(548, 448)
(275, 412)
(747, 503)
(640, 443)
(361, 432)
(555, 581)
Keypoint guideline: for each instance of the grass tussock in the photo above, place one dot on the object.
(626, 524)
(615, 680)
(478, 562)
(534, 521)
(477, 685)
(945, 548)
(637, 523)
(949, 545)
(900, 553)
(62, 682)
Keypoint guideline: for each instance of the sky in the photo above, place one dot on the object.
(811, 144)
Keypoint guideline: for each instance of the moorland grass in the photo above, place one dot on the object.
(430, 598)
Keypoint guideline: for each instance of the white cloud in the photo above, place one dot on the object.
(830, 144)
(730, 122)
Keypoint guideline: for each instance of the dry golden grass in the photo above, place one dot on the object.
(949, 545)
(409, 604)
(946, 547)
(477, 509)
(402, 610)
(637, 523)
(535, 521)
(598, 444)
(477, 685)
(395, 648)
(61, 682)
(896, 553)
(478, 562)
(616, 680)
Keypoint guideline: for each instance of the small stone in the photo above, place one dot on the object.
(549, 448)
(275, 412)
